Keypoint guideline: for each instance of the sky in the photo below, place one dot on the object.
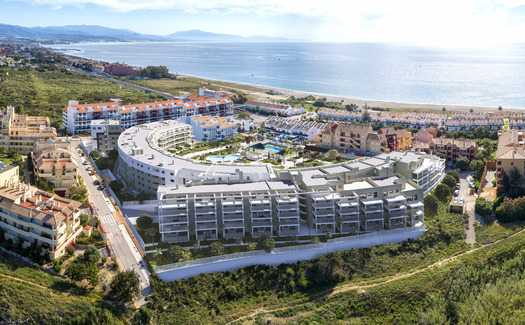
(438, 22)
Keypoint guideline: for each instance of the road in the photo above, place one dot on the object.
(470, 201)
(122, 245)
(127, 84)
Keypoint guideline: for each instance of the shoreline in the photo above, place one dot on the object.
(258, 92)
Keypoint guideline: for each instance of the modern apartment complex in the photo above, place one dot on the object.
(453, 149)
(38, 217)
(220, 93)
(397, 140)
(104, 134)
(510, 158)
(353, 138)
(365, 195)
(20, 131)
(308, 129)
(410, 120)
(119, 69)
(212, 129)
(274, 108)
(9, 174)
(77, 117)
(55, 164)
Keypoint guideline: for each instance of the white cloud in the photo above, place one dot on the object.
(446, 21)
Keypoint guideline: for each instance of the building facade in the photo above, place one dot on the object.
(397, 139)
(38, 217)
(274, 108)
(20, 132)
(212, 129)
(510, 159)
(308, 129)
(77, 118)
(453, 149)
(353, 138)
(118, 69)
(9, 174)
(104, 134)
(55, 164)
(220, 93)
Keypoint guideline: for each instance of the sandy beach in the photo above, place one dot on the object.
(258, 92)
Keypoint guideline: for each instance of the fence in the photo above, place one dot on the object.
(281, 255)
(117, 201)
(489, 165)
(136, 234)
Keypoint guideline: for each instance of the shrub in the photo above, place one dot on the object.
(104, 259)
(484, 207)
(216, 248)
(454, 174)
(81, 241)
(431, 205)
(442, 192)
(144, 221)
(92, 254)
(266, 243)
(449, 181)
(70, 250)
(57, 268)
(95, 234)
(83, 219)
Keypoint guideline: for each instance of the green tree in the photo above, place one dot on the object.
(431, 205)
(267, 243)
(92, 254)
(477, 166)
(216, 248)
(462, 163)
(450, 181)
(95, 154)
(333, 153)
(76, 272)
(144, 221)
(125, 286)
(484, 207)
(454, 174)
(442, 192)
(92, 274)
(83, 219)
(177, 254)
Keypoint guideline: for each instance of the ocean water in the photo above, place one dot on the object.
(488, 77)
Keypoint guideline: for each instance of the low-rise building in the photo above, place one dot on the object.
(9, 174)
(517, 121)
(353, 138)
(426, 135)
(469, 121)
(38, 217)
(119, 69)
(219, 93)
(510, 158)
(212, 129)
(20, 132)
(104, 134)
(273, 108)
(397, 139)
(308, 129)
(453, 149)
(55, 164)
(409, 120)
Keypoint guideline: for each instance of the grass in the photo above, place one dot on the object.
(486, 234)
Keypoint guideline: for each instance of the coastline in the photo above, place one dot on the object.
(259, 92)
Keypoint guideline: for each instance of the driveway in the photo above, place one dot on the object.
(470, 201)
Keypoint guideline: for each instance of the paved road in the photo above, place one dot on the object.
(121, 243)
(469, 206)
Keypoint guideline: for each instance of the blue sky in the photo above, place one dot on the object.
(439, 22)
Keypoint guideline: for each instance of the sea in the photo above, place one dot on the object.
(482, 76)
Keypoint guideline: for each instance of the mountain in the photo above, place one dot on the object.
(78, 33)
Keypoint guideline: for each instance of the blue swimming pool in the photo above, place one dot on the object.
(273, 148)
(222, 158)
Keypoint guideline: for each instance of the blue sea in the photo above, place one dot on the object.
(490, 76)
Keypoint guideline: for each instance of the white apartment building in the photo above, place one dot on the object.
(212, 129)
(104, 134)
(307, 129)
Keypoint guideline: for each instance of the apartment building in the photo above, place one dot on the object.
(274, 108)
(38, 217)
(55, 164)
(469, 121)
(77, 117)
(104, 134)
(517, 121)
(397, 139)
(9, 174)
(510, 157)
(307, 129)
(219, 93)
(20, 132)
(409, 120)
(353, 138)
(118, 69)
(453, 149)
(212, 129)
(426, 135)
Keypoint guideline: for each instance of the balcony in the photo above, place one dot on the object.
(261, 223)
(205, 218)
(289, 214)
(349, 227)
(324, 228)
(289, 221)
(373, 216)
(173, 228)
(288, 231)
(233, 216)
(323, 220)
(175, 237)
(206, 235)
(261, 231)
(206, 225)
(233, 224)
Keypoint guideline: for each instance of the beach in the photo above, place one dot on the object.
(258, 92)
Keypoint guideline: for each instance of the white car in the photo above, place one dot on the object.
(456, 193)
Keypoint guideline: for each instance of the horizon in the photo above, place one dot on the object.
(442, 23)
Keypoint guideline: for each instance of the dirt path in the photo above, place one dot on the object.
(366, 284)
(31, 283)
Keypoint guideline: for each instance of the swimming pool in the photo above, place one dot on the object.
(273, 148)
(222, 158)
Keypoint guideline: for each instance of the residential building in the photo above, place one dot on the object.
(426, 135)
(469, 121)
(409, 120)
(353, 138)
(212, 129)
(308, 129)
(273, 108)
(219, 93)
(510, 158)
(104, 134)
(453, 149)
(20, 132)
(55, 164)
(77, 117)
(517, 121)
(118, 69)
(9, 174)
(397, 139)
(38, 217)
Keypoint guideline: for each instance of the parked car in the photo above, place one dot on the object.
(458, 186)
(101, 187)
(456, 193)
(85, 162)
(461, 200)
(96, 182)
